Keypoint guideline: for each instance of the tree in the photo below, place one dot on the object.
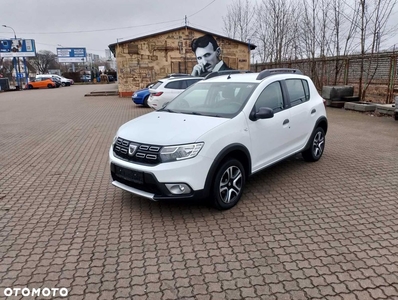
(372, 24)
(238, 23)
(6, 67)
(43, 61)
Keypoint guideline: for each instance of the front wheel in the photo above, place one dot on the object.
(317, 146)
(49, 86)
(228, 184)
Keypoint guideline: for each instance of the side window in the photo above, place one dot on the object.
(271, 97)
(174, 85)
(298, 91)
(157, 84)
(191, 82)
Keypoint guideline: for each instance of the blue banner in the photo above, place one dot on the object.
(71, 54)
(17, 48)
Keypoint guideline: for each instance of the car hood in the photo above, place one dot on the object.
(163, 128)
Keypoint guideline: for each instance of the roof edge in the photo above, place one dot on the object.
(113, 46)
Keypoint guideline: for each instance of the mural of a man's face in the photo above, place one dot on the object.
(207, 56)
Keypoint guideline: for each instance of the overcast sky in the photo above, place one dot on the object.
(94, 24)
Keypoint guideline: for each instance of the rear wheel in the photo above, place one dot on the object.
(317, 146)
(228, 184)
(146, 101)
(30, 86)
(63, 83)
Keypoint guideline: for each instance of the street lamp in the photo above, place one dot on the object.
(19, 66)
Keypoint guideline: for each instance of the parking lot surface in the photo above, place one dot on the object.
(325, 230)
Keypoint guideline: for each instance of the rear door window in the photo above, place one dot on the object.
(298, 91)
(176, 85)
(157, 84)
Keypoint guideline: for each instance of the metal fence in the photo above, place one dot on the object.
(379, 73)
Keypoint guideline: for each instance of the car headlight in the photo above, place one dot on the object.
(180, 152)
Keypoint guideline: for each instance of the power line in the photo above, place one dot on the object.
(98, 30)
(203, 8)
(116, 28)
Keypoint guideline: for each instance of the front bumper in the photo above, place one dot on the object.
(149, 181)
(137, 100)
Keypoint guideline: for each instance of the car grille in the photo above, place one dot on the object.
(143, 153)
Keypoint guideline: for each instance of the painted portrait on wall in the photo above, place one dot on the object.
(207, 54)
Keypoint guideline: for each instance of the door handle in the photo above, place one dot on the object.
(286, 122)
(313, 111)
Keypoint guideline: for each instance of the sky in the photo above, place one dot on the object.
(96, 24)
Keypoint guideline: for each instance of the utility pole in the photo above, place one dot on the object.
(19, 66)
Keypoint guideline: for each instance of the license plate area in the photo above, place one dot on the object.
(130, 175)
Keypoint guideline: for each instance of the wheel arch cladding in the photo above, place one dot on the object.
(237, 151)
(323, 123)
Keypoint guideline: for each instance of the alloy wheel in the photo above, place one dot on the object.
(230, 184)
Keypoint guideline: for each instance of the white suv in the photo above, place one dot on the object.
(213, 136)
(167, 89)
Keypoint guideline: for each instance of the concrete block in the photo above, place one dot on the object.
(360, 106)
(385, 109)
(337, 92)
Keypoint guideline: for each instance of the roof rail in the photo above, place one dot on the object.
(225, 72)
(270, 72)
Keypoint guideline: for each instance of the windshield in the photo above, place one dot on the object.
(219, 99)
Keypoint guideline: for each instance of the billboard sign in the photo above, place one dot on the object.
(71, 54)
(17, 48)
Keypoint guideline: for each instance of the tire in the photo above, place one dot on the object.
(396, 116)
(63, 84)
(228, 184)
(49, 86)
(30, 87)
(146, 101)
(317, 146)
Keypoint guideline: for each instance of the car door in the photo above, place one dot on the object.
(301, 111)
(270, 138)
(41, 82)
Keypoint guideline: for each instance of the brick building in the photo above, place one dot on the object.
(145, 59)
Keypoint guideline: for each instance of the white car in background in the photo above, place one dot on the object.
(167, 89)
(64, 81)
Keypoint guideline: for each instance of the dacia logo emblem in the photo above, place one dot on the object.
(132, 149)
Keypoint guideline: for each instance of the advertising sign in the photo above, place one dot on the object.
(17, 48)
(71, 54)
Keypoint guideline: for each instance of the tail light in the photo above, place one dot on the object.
(158, 94)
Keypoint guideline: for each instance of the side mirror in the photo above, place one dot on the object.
(262, 113)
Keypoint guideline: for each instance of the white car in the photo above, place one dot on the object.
(64, 81)
(214, 135)
(167, 89)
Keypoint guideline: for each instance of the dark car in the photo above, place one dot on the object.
(57, 81)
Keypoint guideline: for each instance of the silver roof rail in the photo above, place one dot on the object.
(269, 72)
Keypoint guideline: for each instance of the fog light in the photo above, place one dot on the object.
(178, 188)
